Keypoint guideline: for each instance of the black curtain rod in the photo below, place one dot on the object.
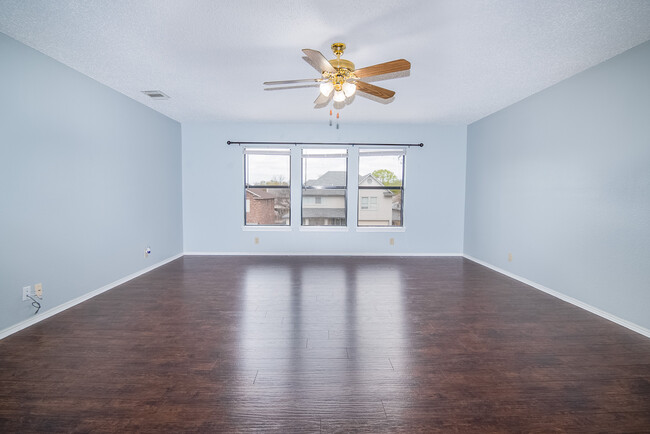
(229, 142)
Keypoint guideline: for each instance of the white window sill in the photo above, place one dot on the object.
(324, 229)
(381, 229)
(262, 228)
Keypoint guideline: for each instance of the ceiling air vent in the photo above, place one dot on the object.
(155, 94)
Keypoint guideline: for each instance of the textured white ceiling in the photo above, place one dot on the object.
(469, 58)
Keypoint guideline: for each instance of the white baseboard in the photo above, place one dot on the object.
(68, 304)
(589, 308)
(317, 254)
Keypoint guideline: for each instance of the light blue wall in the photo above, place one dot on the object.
(213, 190)
(88, 179)
(562, 181)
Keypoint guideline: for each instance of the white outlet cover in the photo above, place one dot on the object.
(27, 290)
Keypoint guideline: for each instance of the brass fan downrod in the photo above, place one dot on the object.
(338, 48)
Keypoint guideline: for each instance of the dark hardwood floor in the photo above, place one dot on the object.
(324, 344)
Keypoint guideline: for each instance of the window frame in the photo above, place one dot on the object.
(284, 152)
(343, 153)
(360, 188)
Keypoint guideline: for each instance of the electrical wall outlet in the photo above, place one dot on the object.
(392, 241)
(27, 291)
(38, 290)
(257, 240)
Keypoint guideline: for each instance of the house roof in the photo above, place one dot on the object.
(323, 212)
(325, 192)
(332, 178)
(363, 178)
(260, 194)
(337, 178)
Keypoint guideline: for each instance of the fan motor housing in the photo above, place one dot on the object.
(342, 64)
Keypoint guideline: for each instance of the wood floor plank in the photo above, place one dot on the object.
(324, 344)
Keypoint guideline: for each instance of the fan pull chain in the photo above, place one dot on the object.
(338, 115)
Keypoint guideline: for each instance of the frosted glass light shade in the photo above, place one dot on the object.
(339, 96)
(326, 88)
(349, 89)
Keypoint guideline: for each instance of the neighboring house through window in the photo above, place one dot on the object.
(324, 187)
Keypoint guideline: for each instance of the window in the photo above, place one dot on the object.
(267, 192)
(369, 203)
(381, 187)
(324, 187)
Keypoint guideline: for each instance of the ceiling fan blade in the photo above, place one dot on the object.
(295, 86)
(383, 68)
(304, 80)
(319, 60)
(322, 100)
(374, 90)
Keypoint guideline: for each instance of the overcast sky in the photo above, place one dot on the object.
(267, 167)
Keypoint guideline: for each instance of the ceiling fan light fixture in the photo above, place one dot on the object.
(349, 88)
(339, 96)
(326, 88)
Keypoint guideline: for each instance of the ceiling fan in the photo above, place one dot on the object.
(340, 79)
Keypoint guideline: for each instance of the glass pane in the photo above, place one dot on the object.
(324, 168)
(323, 207)
(267, 169)
(268, 206)
(379, 206)
(387, 169)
